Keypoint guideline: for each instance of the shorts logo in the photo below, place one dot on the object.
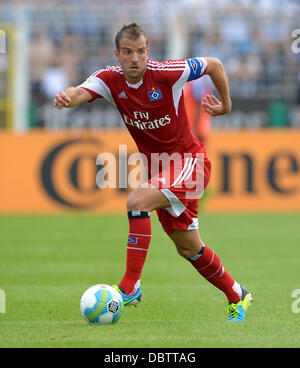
(155, 95)
(132, 240)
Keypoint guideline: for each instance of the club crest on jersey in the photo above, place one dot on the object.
(155, 95)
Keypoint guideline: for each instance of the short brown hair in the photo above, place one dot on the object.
(132, 31)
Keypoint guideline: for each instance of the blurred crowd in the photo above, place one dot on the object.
(71, 39)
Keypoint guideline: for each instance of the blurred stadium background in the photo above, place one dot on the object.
(50, 45)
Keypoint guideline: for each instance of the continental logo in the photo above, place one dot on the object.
(68, 174)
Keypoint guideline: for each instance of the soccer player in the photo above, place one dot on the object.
(149, 97)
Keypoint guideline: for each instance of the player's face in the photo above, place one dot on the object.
(133, 57)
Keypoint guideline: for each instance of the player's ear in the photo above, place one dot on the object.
(117, 55)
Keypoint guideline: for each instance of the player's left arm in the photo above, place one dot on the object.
(211, 104)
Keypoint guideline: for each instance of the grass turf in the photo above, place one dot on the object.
(47, 262)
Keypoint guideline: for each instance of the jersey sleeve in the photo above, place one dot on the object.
(196, 68)
(185, 70)
(97, 86)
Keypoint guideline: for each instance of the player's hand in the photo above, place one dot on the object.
(213, 106)
(61, 100)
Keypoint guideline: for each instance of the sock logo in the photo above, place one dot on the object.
(132, 240)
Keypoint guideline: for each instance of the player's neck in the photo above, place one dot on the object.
(136, 80)
(133, 81)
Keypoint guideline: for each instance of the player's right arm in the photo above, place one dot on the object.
(71, 97)
(212, 105)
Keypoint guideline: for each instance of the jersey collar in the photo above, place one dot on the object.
(135, 86)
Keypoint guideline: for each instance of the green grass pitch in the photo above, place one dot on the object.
(47, 262)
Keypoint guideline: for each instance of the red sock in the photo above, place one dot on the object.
(208, 264)
(137, 249)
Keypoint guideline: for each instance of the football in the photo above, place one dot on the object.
(101, 305)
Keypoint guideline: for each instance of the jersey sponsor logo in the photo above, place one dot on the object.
(141, 121)
(155, 95)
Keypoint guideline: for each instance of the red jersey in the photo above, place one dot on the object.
(153, 110)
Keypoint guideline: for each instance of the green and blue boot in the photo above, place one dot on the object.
(237, 311)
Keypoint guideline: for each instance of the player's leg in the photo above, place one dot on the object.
(147, 199)
(190, 246)
(188, 243)
(139, 205)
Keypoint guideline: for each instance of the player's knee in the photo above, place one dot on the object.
(135, 202)
(184, 252)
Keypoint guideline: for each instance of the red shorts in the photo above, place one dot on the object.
(183, 182)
